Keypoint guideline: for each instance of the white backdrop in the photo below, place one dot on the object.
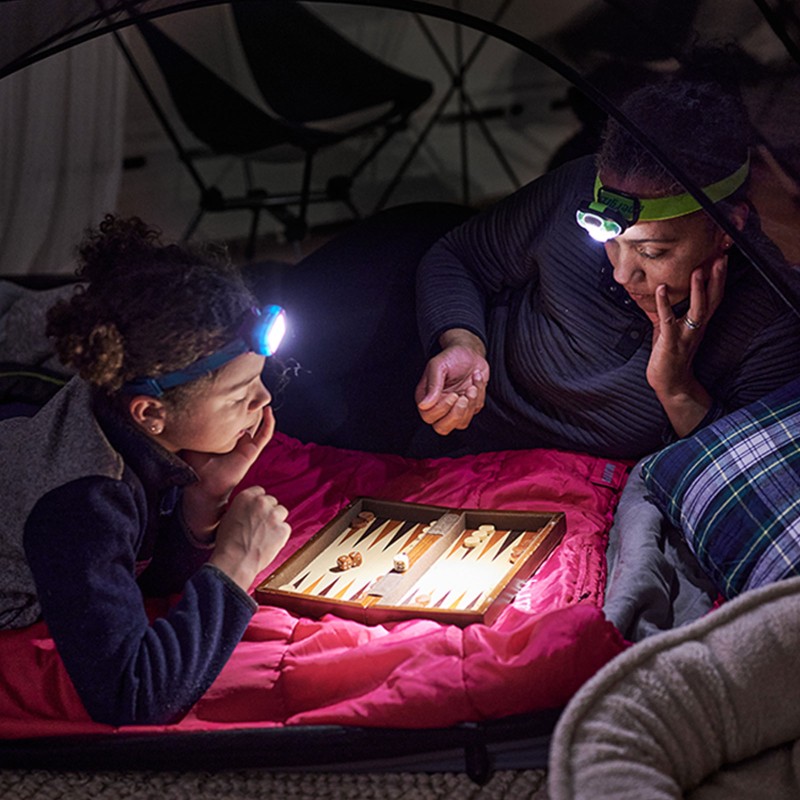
(61, 126)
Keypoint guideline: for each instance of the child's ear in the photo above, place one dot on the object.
(148, 413)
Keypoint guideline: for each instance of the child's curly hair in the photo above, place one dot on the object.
(147, 308)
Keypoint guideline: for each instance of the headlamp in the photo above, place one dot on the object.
(612, 211)
(603, 218)
(260, 333)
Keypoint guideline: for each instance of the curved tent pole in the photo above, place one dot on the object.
(496, 31)
(158, 111)
(101, 24)
(779, 27)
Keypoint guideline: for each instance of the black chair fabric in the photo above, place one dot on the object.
(213, 110)
(306, 71)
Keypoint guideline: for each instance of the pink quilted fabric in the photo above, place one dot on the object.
(290, 670)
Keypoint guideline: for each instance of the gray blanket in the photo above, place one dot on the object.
(654, 581)
(22, 324)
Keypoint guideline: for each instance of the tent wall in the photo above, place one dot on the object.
(577, 35)
(512, 91)
(61, 154)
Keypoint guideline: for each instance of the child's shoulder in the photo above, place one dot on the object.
(61, 442)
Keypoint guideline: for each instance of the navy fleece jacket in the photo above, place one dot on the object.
(96, 507)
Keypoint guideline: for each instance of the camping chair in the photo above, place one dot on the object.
(228, 123)
(312, 76)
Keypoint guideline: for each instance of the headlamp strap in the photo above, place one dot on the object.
(661, 208)
(155, 387)
(260, 333)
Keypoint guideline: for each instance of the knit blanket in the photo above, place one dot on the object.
(708, 711)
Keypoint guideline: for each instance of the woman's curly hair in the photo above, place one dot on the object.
(700, 125)
(147, 308)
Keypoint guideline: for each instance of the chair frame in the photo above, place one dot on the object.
(288, 208)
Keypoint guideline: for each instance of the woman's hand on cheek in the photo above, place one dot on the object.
(247, 449)
(669, 367)
(716, 281)
(219, 473)
(675, 343)
(676, 340)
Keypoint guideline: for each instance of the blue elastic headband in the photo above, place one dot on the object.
(261, 333)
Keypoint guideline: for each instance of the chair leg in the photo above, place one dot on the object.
(296, 228)
(388, 133)
(492, 142)
(250, 249)
(457, 73)
(415, 148)
(193, 223)
(338, 188)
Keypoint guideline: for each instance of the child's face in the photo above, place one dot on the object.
(232, 405)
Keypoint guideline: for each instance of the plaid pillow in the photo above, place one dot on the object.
(734, 490)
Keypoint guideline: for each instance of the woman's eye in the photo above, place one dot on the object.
(651, 254)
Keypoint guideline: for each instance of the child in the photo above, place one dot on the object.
(118, 487)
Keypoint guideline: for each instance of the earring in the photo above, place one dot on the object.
(154, 428)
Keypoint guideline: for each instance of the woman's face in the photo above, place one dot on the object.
(229, 406)
(649, 254)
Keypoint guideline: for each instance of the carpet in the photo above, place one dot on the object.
(262, 785)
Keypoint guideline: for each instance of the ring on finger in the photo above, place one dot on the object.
(691, 324)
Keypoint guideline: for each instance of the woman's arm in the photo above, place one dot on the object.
(493, 250)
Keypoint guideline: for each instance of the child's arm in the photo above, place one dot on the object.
(252, 531)
(126, 669)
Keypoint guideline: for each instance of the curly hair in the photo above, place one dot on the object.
(147, 308)
(700, 125)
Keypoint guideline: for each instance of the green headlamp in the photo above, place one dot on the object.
(612, 211)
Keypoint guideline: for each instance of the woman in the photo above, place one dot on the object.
(118, 488)
(613, 347)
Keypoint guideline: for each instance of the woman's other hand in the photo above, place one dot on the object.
(453, 387)
(251, 533)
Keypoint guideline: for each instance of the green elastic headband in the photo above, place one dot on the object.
(661, 208)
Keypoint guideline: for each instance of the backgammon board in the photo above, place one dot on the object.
(379, 561)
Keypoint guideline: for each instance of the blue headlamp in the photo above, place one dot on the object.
(261, 333)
